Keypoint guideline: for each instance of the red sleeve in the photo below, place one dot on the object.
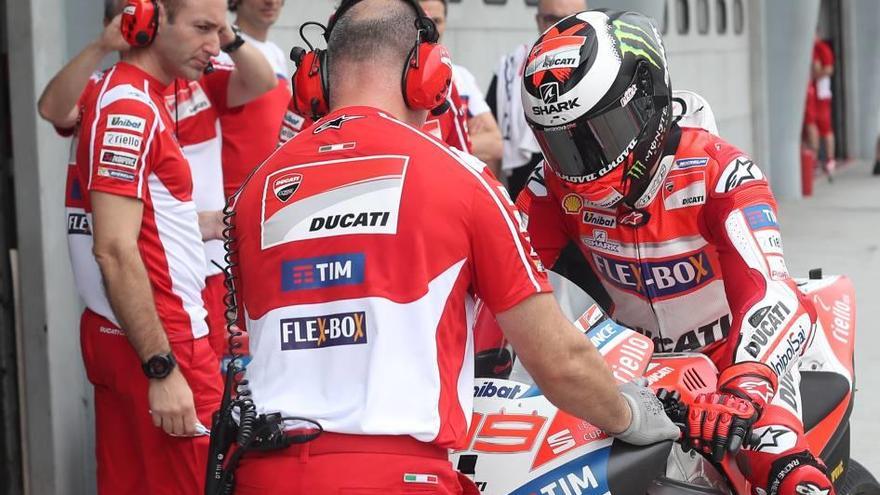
(824, 54)
(542, 216)
(216, 86)
(506, 270)
(772, 320)
(124, 140)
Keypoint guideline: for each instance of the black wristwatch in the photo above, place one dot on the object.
(236, 43)
(159, 366)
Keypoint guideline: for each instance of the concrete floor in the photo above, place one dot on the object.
(838, 229)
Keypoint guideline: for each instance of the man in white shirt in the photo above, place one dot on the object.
(520, 150)
(482, 128)
(251, 135)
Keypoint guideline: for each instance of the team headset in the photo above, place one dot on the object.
(425, 83)
(140, 23)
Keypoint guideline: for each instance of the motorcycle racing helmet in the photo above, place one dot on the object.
(597, 95)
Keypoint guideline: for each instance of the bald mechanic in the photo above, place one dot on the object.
(357, 304)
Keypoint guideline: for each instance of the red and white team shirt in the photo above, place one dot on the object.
(127, 148)
(361, 244)
(472, 98)
(449, 127)
(195, 108)
(251, 134)
(699, 265)
(86, 273)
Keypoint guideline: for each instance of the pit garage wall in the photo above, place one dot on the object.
(56, 409)
(861, 35)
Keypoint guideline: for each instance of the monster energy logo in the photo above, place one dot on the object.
(637, 170)
(635, 40)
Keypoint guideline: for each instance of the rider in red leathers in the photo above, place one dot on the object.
(679, 230)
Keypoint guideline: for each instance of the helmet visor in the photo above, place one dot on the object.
(594, 146)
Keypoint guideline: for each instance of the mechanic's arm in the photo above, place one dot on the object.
(116, 222)
(565, 364)
(58, 103)
(252, 75)
(486, 140)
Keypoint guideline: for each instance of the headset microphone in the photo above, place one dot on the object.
(209, 68)
(441, 109)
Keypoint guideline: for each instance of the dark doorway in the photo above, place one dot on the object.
(10, 444)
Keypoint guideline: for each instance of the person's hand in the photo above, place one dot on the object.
(172, 406)
(719, 422)
(649, 423)
(227, 35)
(111, 39)
(211, 225)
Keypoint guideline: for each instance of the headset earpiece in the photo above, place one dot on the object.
(140, 22)
(427, 75)
(311, 95)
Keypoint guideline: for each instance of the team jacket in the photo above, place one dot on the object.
(127, 147)
(699, 266)
(359, 246)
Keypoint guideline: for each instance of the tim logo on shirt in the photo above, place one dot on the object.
(315, 332)
(354, 196)
(657, 278)
(324, 271)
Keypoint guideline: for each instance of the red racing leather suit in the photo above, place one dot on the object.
(697, 267)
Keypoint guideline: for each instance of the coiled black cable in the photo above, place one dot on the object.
(235, 368)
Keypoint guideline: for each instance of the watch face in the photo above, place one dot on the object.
(158, 366)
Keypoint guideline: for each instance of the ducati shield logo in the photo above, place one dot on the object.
(549, 92)
(286, 185)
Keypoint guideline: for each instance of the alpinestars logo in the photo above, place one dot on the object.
(636, 41)
(808, 488)
(550, 92)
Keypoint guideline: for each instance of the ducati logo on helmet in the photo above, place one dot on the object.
(549, 92)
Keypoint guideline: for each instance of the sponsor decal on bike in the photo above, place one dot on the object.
(315, 332)
(587, 474)
(697, 338)
(656, 278)
(741, 170)
(773, 439)
(488, 388)
(766, 321)
(504, 432)
(841, 317)
(323, 271)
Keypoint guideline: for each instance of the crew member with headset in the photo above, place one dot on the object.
(143, 331)
(357, 302)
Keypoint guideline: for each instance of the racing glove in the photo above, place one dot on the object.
(650, 424)
(723, 420)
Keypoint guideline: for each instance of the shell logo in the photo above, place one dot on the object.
(572, 203)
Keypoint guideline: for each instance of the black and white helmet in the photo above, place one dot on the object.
(596, 93)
